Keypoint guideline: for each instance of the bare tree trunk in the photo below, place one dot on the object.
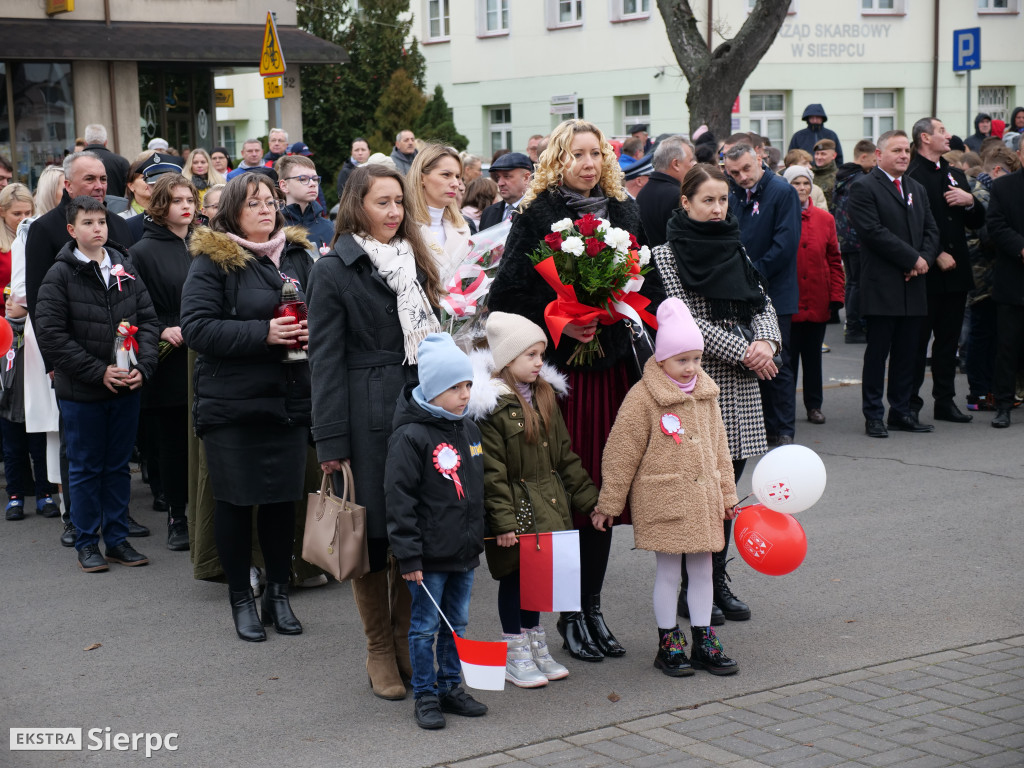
(716, 77)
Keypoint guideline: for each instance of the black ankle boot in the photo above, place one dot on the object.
(683, 608)
(243, 611)
(671, 658)
(708, 654)
(732, 607)
(576, 637)
(278, 611)
(598, 629)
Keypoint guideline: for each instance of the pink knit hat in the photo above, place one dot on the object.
(677, 332)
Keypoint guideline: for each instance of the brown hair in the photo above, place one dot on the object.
(480, 193)
(352, 220)
(233, 199)
(533, 417)
(864, 147)
(163, 191)
(697, 175)
(1002, 156)
(799, 157)
(287, 161)
(134, 171)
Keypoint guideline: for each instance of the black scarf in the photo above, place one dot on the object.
(200, 183)
(711, 262)
(580, 205)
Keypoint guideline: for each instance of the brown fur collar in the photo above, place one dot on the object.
(666, 393)
(229, 255)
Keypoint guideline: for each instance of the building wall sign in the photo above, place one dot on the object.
(224, 97)
(54, 7)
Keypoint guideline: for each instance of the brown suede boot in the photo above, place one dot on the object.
(401, 605)
(371, 594)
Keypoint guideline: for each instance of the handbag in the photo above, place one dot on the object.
(335, 535)
(744, 332)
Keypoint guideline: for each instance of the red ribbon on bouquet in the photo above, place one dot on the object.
(638, 303)
(566, 308)
(127, 334)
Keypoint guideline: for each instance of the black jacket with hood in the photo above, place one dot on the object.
(973, 142)
(429, 527)
(806, 138)
(227, 303)
(76, 321)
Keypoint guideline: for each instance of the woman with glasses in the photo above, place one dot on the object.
(251, 407)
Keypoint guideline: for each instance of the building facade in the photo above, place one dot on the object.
(510, 70)
(142, 68)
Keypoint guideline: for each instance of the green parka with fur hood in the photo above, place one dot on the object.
(527, 488)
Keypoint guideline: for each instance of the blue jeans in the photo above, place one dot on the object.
(451, 591)
(99, 439)
(21, 448)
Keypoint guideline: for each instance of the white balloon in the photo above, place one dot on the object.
(789, 479)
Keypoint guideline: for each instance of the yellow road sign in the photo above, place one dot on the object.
(224, 97)
(273, 88)
(271, 58)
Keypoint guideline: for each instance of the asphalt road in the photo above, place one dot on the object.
(914, 548)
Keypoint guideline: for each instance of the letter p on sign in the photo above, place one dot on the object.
(966, 49)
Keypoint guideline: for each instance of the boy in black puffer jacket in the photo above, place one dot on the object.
(91, 288)
(434, 489)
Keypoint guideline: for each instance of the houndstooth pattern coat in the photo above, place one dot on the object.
(740, 396)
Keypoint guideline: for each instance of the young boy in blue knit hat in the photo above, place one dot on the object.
(434, 490)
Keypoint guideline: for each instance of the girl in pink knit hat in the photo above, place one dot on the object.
(668, 456)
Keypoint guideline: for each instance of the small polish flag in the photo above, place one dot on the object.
(483, 664)
(549, 571)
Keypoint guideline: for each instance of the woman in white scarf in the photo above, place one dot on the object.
(372, 298)
(433, 183)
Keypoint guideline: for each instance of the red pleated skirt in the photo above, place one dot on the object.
(589, 412)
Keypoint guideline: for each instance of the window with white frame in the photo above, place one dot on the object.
(879, 113)
(635, 109)
(994, 100)
(499, 127)
(768, 116)
(630, 10)
(883, 7)
(790, 12)
(998, 6)
(437, 20)
(226, 139)
(564, 13)
(492, 17)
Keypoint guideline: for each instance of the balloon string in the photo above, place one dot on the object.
(744, 499)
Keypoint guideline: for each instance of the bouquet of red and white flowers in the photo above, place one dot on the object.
(596, 271)
(467, 286)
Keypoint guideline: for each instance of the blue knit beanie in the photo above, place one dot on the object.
(441, 365)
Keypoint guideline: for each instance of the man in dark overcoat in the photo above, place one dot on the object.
(899, 243)
(673, 157)
(954, 210)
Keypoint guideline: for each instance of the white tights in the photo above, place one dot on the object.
(699, 594)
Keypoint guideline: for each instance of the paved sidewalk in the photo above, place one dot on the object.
(961, 707)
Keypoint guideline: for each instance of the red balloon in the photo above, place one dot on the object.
(6, 337)
(771, 542)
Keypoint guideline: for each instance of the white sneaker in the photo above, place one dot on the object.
(551, 669)
(312, 581)
(520, 668)
(256, 581)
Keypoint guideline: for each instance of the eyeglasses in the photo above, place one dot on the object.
(257, 205)
(303, 180)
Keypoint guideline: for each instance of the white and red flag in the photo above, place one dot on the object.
(549, 571)
(483, 663)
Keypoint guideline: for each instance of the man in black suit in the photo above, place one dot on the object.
(117, 166)
(673, 157)
(899, 243)
(512, 172)
(1005, 222)
(954, 210)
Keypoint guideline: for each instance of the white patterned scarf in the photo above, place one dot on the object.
(397, 265)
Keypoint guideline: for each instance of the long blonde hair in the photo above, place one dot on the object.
(213, 176)
(11, 194)
(426, 159)
(49, 189)
(558, 156)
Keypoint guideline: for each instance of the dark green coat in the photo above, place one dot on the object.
(527, 488)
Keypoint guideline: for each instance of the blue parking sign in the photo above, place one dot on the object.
(966, 49)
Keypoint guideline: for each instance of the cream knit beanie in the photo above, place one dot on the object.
(510, 335)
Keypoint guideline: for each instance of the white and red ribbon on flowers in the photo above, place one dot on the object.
(447, 461)
(126, 344)
(672, 426)
(462, 300)
(118, 271)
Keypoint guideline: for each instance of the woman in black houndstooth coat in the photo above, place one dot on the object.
(704, 264)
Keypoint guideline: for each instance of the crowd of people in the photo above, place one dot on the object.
(145, 303)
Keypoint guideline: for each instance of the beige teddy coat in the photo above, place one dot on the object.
(678, 493)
